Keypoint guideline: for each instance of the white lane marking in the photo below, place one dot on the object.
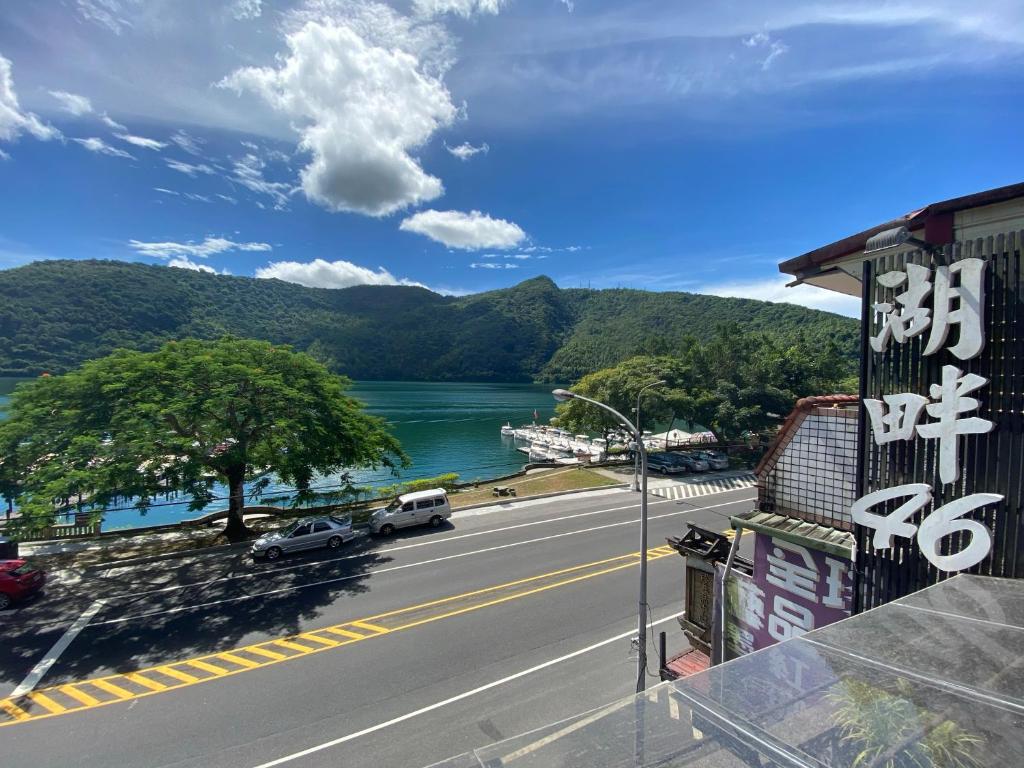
(432, 542)
(44, 664)
(296, 587)
(456, 698)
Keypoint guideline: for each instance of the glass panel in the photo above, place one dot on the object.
(978, 597)
(964, 652)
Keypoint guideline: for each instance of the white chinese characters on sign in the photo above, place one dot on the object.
(792, 569)
(913, 318)
(897, 417)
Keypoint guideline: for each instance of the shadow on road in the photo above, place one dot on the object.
(172, 610)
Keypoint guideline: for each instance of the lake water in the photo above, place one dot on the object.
(443, 427)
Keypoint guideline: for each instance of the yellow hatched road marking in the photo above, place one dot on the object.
(572, 575)
(103, 685)
(293, 646)
(185, 677)
(80, 696)
(198, 664)
(264, 652)
(145, 682)
(343, 633)
(238, 660)
(13, 710)
(45, 701)
(317, 639)
(368, 626)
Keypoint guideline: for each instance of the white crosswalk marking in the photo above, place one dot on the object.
(692, 489)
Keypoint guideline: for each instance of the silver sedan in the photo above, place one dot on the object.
(307, 533)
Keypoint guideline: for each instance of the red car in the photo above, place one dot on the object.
(18, 580)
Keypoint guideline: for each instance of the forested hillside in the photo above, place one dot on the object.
(55, 314)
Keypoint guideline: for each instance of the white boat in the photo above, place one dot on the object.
(507, 430)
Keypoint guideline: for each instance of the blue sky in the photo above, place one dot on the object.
(471, 144)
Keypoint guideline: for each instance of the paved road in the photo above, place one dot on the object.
(388, 653)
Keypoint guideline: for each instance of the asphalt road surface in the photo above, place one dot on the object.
(395, 652)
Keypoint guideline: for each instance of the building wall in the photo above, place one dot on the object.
(989, 220)
(815, 475)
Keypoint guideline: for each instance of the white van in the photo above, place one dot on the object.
(419, 508)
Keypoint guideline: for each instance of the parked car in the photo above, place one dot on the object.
(19, 579)
(714, 459)
(418, 508)
(307, 533)
(665, 463)
(693, 461)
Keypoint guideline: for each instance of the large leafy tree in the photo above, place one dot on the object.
(180, 420)
(736, 382)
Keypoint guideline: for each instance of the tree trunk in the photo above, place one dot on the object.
(669, 430)
(236, 529)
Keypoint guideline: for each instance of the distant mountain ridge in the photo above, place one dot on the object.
(56, 314)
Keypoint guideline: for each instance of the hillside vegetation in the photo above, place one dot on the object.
(56, 314)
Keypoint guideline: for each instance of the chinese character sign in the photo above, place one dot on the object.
(794, 589)
(944, 415)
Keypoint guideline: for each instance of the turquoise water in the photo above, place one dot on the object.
(443, 427)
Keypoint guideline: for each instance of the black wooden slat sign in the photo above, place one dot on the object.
(941, 423)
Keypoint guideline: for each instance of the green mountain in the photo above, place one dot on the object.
(56, 314)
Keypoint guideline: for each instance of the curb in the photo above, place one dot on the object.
(550, 495)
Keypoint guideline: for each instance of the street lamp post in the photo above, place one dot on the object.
(641, 680)
(639, 423)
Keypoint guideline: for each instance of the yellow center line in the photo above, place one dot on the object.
(526, 587)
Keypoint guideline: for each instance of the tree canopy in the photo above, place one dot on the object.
(736, 382)
(137, 425)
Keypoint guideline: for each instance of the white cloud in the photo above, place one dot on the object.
(467, 151)
(166, 191)
(774, 289)
(492, 265)
(110, 122)
(209, 247)
(198, 198)
(13, 122)
(774, 47)
(98, 145)
(227, 198)
(463, 8)
(188, 143)
(249, 173)
(468, 231)
(105, 13)
(141, 141)
(188, 168)
(246, 9)
(320, 273)
(183, 262)
(72, 103)
(364, 90)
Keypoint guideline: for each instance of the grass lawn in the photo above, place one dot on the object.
(549, 481)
